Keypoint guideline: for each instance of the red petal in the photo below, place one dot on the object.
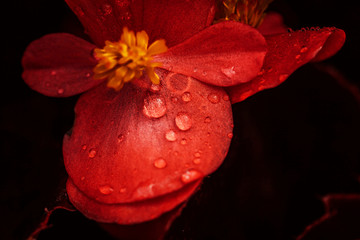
(273, 24)
(286, 53)
(224, 54)
(128, 213)
(172, 20)
(138, 144)
(59, 65)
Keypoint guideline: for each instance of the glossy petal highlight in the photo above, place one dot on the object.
(286, 53)
(59, 65)
(225, 54)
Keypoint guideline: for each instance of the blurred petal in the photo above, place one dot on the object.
(273, 23)
(286, 53)
(136, 144)
(59, 65)
(171, 20)
(224, 54)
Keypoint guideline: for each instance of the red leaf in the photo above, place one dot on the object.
(224, 54)
(136, 144)
(172, 20)
(286, 53)
(59, 65)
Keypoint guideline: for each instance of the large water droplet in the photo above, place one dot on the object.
(160, 163)
(92, 153)
(303, 49)
(170, 136)
(229, 72)
(154, 106)
(106, 189)
(213, 98)
(191, 175)
(183, 121)
(186, 97)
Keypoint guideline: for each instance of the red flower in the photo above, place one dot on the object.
(137, 153)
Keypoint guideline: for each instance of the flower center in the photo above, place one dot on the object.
(122, 61)
(250, 12)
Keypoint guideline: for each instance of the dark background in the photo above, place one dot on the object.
(292, 145)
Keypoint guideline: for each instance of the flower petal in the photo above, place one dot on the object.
(273, 23)
(224, 54)
(286, 53)
(128, 213)
(139, 144)
(59, 65)
(172, 20)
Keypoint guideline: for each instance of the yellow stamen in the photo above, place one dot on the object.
(250, 12)
(122, 61)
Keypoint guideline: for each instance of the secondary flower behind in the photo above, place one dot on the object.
(142, 143)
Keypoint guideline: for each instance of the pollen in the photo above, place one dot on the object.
(125, 60)
(250, 12)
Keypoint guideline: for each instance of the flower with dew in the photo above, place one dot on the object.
(158, 81)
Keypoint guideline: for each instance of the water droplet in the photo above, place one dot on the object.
(106, 9)
(226, 97)
(183, 121)
(155, 87)
(82, 178)
(88, 75)
(297, 56)
(207, 120)
(229, 72)
(53, 73)
(197, 161)
(160, 163)
(170, 136)
(122, 190)
(154, 106)
(191, 175)
(186, 97)
(106, 189)
(83, 147)
(213, 98)
(120, 138)
(183, 141)
(79, 11)
(230, 135)
(174, 99)
(204, 73)
(283, 77)
(304, 49)
(197, 154)
(92, 153)
(195, 70)
(60, 91)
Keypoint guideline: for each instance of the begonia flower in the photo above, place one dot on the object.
(154, 120)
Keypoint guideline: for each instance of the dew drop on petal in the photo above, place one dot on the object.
(155, 87)
(297, 56)
(82, 178)
(197, 154)
(83, 147)
(122, 190)
(230, 135)
(213, 98)
(229, 72)
(303, 50)
(174, 99)
(92, 153)
(195, 70)
(106, 189)
(204, 73)
(183, 121)
(197, 161)
(60, 91)
(191, 175)
(120, 138)
(160, 163)
(207, 120)
(154, 106)
(186, 97)
(226, 97)
(183, 141)
(53, 73)
(283, 77)
(170, 136)
(88, 75)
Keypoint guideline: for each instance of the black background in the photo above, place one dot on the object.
(292, 144)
